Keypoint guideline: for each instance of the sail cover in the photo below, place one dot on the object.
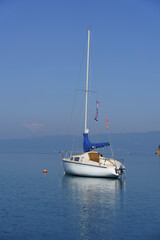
(88, 146)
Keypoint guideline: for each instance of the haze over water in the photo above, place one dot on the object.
(54, 206)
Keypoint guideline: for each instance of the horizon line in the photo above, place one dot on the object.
(61, 135)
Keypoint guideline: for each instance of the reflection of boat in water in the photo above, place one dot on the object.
(94, 200)
(94, 189)
(97, 184)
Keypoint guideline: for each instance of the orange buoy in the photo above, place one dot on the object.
(45, 171)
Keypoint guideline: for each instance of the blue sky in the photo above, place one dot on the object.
(41, 48)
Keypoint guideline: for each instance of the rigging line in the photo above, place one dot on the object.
(76, 138)
(91, 98)
(97, 95)
(78, 80)
(109, 139)
(93, 86)
(81, 90)
(94, 64)
(75, 95)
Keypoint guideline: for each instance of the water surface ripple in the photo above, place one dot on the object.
(38, 206)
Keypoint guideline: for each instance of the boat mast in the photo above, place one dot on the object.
(86, 102)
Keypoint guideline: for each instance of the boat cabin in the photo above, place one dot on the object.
(92, 156)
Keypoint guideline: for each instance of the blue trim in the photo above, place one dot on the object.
(88, 146)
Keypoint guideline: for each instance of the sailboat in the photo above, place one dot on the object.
(91, 163)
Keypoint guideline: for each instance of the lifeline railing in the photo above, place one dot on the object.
(67, 154)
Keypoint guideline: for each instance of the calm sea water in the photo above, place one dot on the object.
(53, 206)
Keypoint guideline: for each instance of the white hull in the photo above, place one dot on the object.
(81, 169)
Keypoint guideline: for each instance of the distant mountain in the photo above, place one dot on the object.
(122, 143)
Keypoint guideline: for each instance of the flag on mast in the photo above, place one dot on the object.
(107, 122)
(97, 106)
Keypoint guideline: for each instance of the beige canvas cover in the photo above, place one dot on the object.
(93, 156)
